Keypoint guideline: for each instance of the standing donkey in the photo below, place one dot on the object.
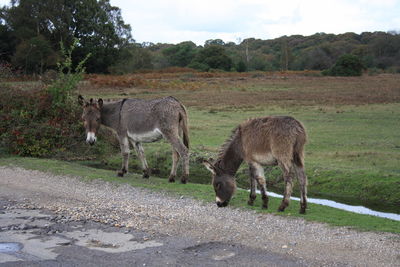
(275, 140)
(141, 121)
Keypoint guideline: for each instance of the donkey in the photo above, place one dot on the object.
(141, 121)
(270, 141)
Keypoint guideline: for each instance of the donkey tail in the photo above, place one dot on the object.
(183, 121)
(298, 150)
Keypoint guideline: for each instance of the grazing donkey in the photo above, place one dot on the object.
(275, 140)
(141, 121)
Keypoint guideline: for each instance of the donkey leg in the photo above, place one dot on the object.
(124, 144)
(288, 187)
(252, 195)
(302, 178)
(257, 172)
(183, 152)
(175, 160)
(140, 152)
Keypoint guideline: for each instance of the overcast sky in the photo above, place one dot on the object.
(174, 21)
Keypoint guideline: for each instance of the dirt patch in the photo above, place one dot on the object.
(264, 89)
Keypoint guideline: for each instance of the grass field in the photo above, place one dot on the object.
(353, 124)
(353, 153)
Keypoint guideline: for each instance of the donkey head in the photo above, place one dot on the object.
(91, 117)
(224, 184)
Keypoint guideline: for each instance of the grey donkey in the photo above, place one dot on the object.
(267, 141)
(139, 121)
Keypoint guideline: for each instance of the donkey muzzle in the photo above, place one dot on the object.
(221, 203)
(91, 138)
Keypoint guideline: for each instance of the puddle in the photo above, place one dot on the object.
(10, 247)
(341, 206)
(113, 242)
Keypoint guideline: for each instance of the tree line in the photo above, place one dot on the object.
(31, 32)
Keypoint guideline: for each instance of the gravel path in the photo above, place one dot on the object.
(157, 213)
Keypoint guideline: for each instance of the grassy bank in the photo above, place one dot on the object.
(205, 193)
(352, 154)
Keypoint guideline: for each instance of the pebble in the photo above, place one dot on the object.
(126, 206)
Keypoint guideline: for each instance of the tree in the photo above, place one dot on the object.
(7, 43)
(98, 26)
(214, 42)
(132, 58)
(34, 55)
(241, 66)
(214, 57)
(346, 65)
(181, 54)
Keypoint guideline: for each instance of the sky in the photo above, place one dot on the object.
(175, 21)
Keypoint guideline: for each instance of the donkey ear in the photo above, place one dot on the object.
(100, 102)
(218, 185)
(81, 100)
(209, 166)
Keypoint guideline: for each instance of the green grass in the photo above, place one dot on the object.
(352, 155)
(353, 152)
(205, 193)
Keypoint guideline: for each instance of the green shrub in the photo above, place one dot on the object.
(62, 89)
(44, 121)
(346, 65)
(241, 66)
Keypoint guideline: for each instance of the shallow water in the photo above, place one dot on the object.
(10, 247)
(346, 207)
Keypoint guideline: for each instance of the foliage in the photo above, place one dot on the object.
(7, 43)
(42, 121)
(132, 58)
(347, 65)
(36, 28)
(241, 67)
(30, 31)
(181, 54)
(213, 57)
(34, 55)
(62, 88)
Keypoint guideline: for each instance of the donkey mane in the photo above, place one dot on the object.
(222, 151)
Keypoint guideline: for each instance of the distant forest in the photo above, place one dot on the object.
(31, 32)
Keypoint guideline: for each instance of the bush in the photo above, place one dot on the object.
(29, 126)
(346, 65)
(241, 66)
(44, 121)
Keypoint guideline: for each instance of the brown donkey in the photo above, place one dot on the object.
(275, 140)
(141, 121)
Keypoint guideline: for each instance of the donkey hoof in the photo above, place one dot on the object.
(171, 179)
(281, 209)
(302, 211)
(145, 176)
(120, 174)
(184, 179)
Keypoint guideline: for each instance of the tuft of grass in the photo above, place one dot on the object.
(205, 193)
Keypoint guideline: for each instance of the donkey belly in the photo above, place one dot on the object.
(146, 137)
(265, 159)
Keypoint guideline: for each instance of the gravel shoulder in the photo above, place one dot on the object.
(158, 214)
